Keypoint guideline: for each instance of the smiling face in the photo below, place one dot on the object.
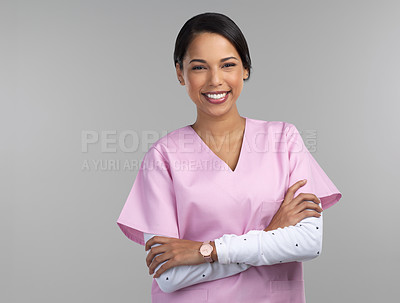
(212, 66)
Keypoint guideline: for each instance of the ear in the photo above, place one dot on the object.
(179, 74)
(245, 73)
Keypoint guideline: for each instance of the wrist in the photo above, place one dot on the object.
(214, 254)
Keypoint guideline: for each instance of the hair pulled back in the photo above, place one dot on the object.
(210, 22)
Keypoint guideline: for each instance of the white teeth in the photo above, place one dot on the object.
(216, 96)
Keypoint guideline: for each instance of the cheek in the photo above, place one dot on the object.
(192, 91)
(237, 85)
(193, 84)
(195, 78)
(236, 79)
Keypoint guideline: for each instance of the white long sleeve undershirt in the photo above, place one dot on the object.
(237, 253)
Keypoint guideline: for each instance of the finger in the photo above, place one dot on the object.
(157, 240)
(312, 205)
(307, 205)
(292, 189)
(154, 251)
(309, 213)
(157, 261)
(305, 197)
(148, 244)
(163, 268)
(151, 242)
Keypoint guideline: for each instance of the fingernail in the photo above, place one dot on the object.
(303, 181)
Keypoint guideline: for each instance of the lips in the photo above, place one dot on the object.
(217, 92)
(217, 101)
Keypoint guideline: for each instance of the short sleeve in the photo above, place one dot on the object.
(302, 165)
(150, 206)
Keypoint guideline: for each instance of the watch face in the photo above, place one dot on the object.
(206, 249)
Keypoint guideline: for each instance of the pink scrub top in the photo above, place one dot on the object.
(184, 190)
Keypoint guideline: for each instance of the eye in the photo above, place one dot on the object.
(229, 64)
(196, 67)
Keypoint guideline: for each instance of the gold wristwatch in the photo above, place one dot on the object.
(206, 250)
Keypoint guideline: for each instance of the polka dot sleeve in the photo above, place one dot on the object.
(301, 242)
(182, 276)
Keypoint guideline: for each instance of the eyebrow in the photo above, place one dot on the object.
(204, 61)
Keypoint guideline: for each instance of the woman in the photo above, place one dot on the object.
(220, 204)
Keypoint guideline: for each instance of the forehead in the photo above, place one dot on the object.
(210, 45)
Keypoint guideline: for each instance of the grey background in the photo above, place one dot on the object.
(74, 66)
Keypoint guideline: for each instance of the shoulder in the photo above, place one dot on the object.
(271, 127)
(169, 143)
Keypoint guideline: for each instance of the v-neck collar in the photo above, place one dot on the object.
(215, 155)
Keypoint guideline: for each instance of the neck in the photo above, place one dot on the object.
(220, 126)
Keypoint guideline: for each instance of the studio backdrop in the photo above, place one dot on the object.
(88, 86)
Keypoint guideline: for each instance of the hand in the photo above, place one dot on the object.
(176, 251)
(292, 211)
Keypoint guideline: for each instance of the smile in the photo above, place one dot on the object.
(216, 98)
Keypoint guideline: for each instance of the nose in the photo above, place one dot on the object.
(216, 77)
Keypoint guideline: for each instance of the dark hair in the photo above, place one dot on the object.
(211, 23)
